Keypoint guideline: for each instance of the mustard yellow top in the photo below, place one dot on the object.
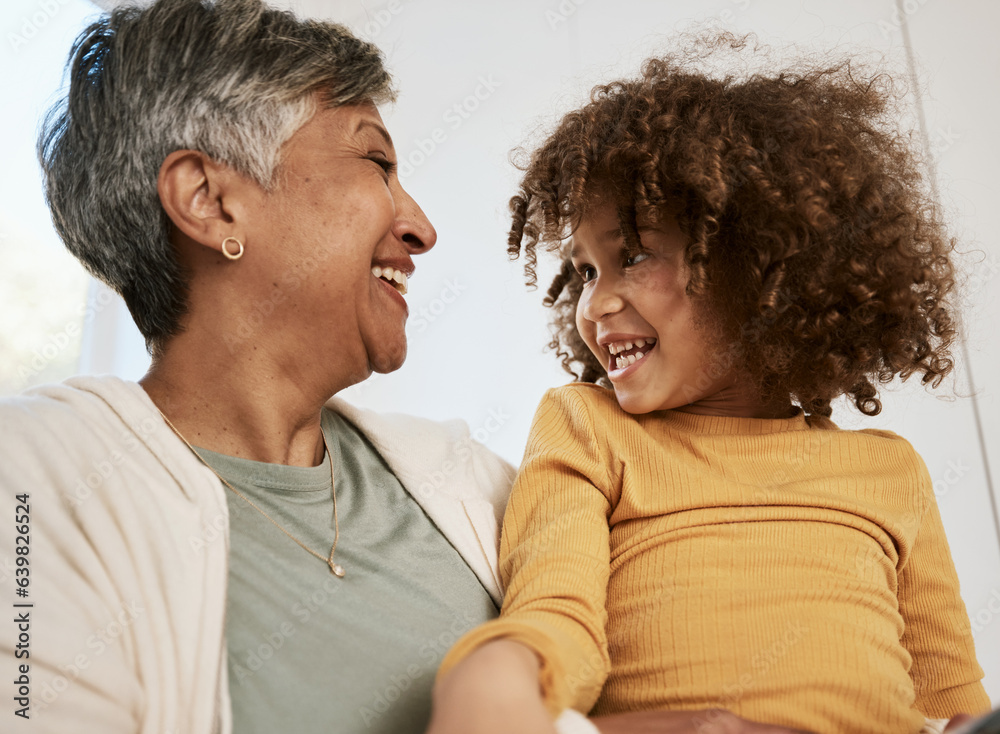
(786, 570)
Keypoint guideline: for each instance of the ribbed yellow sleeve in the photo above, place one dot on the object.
(785, 570)
(554, 560)
(937, 631)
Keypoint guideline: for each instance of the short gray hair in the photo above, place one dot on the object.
(233, 79)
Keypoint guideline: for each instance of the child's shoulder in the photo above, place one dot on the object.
(586, 396)
(886, 449)
(581, 408)
(877, 436)
(881, 433)
(822, 422)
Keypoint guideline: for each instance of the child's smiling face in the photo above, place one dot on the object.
(636, 318)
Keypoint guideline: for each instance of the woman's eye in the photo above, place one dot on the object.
(635, 258)
(384, 163)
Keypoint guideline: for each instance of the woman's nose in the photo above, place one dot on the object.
(602, 299)
(412, 227)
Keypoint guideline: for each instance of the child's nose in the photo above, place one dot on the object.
(602, 301)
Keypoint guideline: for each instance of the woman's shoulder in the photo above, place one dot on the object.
(81, 420)
(65, 406)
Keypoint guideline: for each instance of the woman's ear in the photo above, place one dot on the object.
(201, 197)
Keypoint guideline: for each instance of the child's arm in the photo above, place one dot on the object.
(554, 560)
(937, 634)
(492, 691)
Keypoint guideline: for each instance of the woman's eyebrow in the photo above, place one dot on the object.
(378, 128)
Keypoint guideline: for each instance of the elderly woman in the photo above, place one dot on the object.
(222, 546)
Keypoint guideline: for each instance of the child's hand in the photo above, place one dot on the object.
(493, 691)
(957, 720)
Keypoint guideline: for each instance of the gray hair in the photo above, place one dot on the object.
(233, 79)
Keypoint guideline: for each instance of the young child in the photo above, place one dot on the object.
(689, 530)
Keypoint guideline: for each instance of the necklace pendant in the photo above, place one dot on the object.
(337, 569)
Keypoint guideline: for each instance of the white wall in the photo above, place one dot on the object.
(476, 335)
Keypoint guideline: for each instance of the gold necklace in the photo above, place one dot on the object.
(335, 568)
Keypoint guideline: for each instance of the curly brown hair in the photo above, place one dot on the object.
(815, 245)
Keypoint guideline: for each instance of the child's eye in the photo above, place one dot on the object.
(587, 273)
(635, 258)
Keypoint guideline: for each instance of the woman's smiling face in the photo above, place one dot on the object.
(636, 318)
(339, 218)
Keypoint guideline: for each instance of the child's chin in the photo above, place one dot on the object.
(635, 404)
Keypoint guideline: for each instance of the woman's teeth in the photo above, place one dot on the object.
(628, 353)
(395, 278)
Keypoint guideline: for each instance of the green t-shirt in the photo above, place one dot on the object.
(310, 652)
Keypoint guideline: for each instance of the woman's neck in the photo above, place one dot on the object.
(244, 405)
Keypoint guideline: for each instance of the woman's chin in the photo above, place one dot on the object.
(388, 360)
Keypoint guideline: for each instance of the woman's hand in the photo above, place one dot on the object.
(707, 721)
(493, 691)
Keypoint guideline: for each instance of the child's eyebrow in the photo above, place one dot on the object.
(611, 234)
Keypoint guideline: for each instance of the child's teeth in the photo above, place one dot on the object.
(640, 343)
(628, 345)
(638, 356)
(377, 271)
(631, 359)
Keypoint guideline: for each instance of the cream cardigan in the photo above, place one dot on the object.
(128, 547)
